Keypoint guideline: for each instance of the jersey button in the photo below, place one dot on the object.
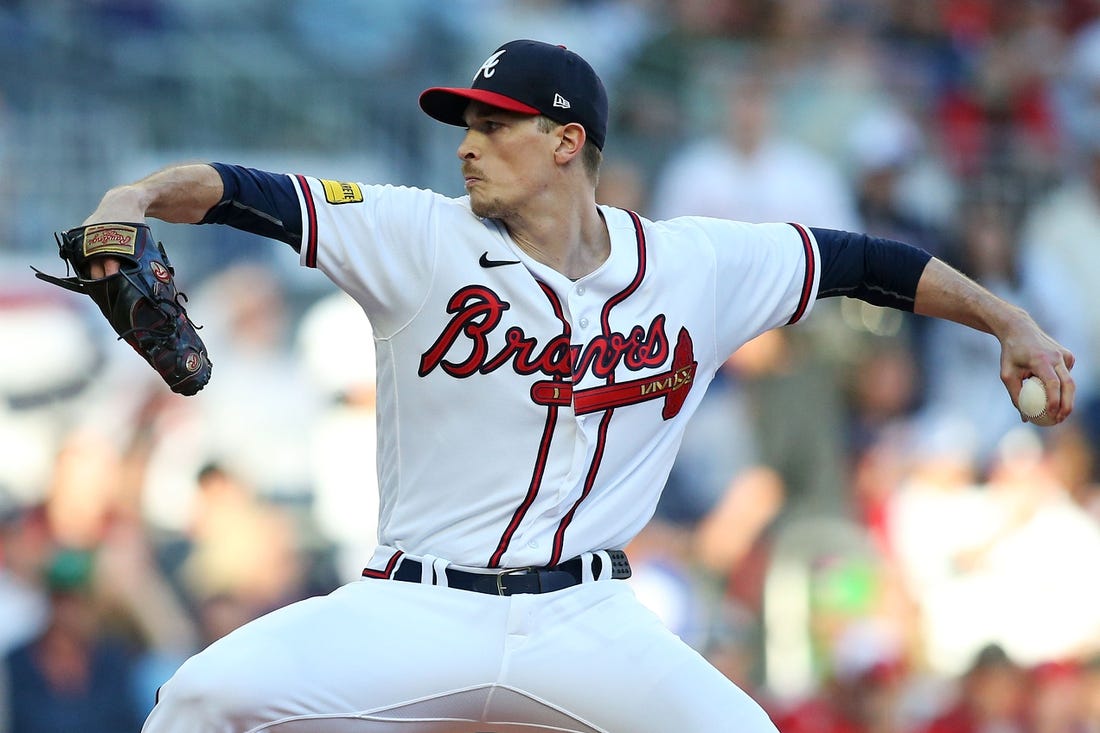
(583, 323)
(580, 290)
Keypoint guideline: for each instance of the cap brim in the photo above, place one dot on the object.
(448, 104)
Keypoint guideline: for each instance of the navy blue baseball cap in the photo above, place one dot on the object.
(529, 77)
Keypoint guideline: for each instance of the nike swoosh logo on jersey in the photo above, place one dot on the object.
(484, 261)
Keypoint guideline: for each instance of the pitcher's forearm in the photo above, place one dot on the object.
(943, 292)
(179, 194)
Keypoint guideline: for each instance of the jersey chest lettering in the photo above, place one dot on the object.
(463, 347)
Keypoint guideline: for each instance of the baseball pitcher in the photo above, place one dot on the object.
(538, 358)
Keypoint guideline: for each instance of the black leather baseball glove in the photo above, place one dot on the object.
(140, 301)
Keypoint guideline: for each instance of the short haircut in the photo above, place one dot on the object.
(591, 156)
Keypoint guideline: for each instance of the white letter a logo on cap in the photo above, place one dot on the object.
(489, 67)
(560, 101)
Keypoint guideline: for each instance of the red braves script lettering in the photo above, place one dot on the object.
(477, 312)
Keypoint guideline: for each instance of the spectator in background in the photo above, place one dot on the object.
(934, 514)
(884, 148)
(1078, 101)
(989, 697)
(1040, 559)
(833, 68)
(73, 676)
(1006, 560)
(1055, 700)
(242, 547)
(862, 691)
(997, 111)
(883, 390)
(90, 511)
(747, 171)
(656, 94)
(781, 374)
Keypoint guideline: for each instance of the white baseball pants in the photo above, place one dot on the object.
(382, 656)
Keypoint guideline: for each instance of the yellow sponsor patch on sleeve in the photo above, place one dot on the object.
(338, 192)
(103, 239)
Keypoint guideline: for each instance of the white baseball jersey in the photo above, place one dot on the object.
(525, 418)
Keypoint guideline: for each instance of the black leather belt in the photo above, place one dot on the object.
(510, 581)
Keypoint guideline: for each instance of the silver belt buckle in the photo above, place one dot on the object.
(510, 571)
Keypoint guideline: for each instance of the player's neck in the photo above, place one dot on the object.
(573, 245)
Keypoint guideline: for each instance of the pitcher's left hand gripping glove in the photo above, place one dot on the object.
(140, 301)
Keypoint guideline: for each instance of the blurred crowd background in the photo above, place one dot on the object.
(859, 530)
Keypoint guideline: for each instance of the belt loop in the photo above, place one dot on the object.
(605, 565)
(427, 569)
(587, 566)
(439, 570)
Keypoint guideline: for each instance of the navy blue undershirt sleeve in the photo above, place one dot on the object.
(258, 202)
(879, 271)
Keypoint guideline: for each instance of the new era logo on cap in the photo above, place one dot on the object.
(529, 77)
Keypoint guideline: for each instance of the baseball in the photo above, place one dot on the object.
(1032, 401)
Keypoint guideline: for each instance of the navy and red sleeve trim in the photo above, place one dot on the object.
(310, 207)
(258, 202)
(808, 276)
(872, 269)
